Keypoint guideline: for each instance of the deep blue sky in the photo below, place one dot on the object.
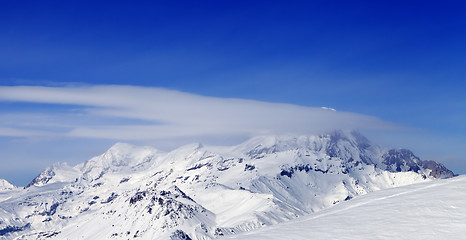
(401, 61)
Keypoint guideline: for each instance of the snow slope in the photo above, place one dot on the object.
(432, 210)
(204, 192)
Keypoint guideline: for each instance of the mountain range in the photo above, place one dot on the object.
(204, 192)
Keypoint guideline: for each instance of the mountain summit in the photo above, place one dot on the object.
(203, 192)
(5, 185)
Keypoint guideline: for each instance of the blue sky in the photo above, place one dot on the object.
(402, 62)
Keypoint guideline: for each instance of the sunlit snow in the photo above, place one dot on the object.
(433, 210)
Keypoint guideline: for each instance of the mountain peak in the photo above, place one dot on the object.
(5, 185)
(58, 172)
(119, 157)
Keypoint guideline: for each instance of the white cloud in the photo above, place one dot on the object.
(145, 113)
(15, 132)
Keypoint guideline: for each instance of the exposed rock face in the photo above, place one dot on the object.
(437, 169)
(199, 192)
(43, 178)
(403, 160)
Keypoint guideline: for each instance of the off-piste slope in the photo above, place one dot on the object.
(432, 210)
(204, 192)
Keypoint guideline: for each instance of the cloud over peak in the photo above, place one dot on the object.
(145, 113)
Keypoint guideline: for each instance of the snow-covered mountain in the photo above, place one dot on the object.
(204, 192)
(5, 185)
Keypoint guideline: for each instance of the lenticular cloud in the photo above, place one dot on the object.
(157, 113)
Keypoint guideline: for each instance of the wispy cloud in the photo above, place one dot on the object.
(15, 132)
(147, 113)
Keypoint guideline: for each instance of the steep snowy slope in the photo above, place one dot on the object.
(432, 210)
(203, 192)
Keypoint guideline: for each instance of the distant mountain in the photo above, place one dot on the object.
(5, 185)
(203, 192)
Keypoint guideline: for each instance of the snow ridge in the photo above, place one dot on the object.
(431, 210)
